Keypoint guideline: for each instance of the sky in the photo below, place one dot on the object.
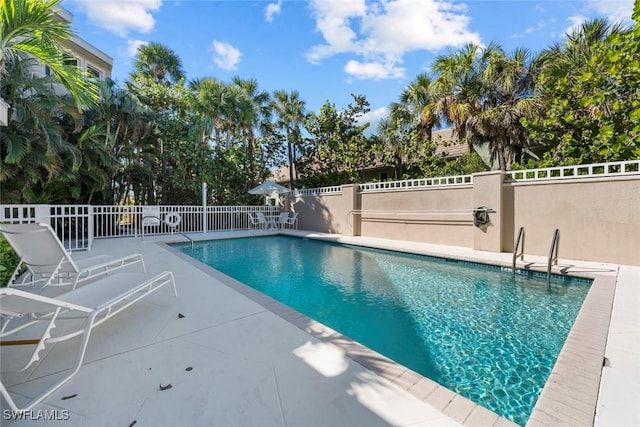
(326, 49)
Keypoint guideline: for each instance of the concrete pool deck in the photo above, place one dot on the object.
(255, 362)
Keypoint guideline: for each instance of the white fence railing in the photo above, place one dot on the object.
(594, 170)
(78, 225)
(336, 189)
(417, 183)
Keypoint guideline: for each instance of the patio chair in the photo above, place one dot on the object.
(93, 304)
(293, 220)
(260, 220)
(282, 219)
(49, 263)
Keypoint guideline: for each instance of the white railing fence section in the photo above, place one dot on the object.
(417, 183)
(78, 225)
(70, 222)
(594, 170)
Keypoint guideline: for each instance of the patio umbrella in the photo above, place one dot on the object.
(268, 187)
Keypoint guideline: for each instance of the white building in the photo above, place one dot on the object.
(81, 53)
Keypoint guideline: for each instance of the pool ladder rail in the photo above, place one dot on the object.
(519, 239)
(553, 251)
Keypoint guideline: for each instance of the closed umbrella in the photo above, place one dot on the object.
(268, 187)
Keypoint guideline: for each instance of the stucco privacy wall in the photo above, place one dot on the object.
(598, 218)
(440, 221)
(326, 213)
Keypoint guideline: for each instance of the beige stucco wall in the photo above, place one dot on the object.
(446, 228)
(598, 219)
(327, 213)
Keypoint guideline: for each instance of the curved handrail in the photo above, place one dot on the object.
(515, 249)
(554, 247)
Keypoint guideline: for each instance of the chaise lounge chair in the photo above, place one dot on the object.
(93, 303)
(49, 263)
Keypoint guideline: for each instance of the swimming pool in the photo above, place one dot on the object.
(473, 329)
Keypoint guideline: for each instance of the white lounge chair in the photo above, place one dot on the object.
(93, 303)
(292, 220)
(259, 221)
(49, 263)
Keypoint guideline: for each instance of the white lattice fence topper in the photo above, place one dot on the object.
(315, 191)
(417, 183)
(594, 170)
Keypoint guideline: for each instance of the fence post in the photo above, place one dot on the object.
(91, 222)
(204, 207)
(43, 214)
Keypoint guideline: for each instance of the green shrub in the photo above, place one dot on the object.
(8, 262)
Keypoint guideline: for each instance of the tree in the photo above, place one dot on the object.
(30, 28)
(337, 149)
(252, 107)
(290, 111)
(509, 79)
(157, 62)
(416, 107)
(484, 93)
(33, 146)
(458, 87)
(211, 101)
(591, 99)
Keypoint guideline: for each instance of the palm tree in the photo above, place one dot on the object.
(212, 103)
(159, 63)
(290, 111)
(416, 107)
(251, 108)
(510, 81)
(33, 147)
(30, 28)
(390, 137)
(459, 87)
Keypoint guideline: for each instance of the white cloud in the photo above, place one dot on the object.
(121, 16)
(576, 22)
(539, 26)
(133, 46)
(373, 117)
(272, 9)
(381, 32)
(615, 10)
(373, 70)
(225, 55)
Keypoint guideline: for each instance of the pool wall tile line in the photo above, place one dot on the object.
(570, 395)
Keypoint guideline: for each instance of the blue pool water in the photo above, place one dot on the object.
(473, 329)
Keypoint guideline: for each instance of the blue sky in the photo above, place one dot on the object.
(325, 49)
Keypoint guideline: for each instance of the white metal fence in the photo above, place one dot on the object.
(78, 225)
